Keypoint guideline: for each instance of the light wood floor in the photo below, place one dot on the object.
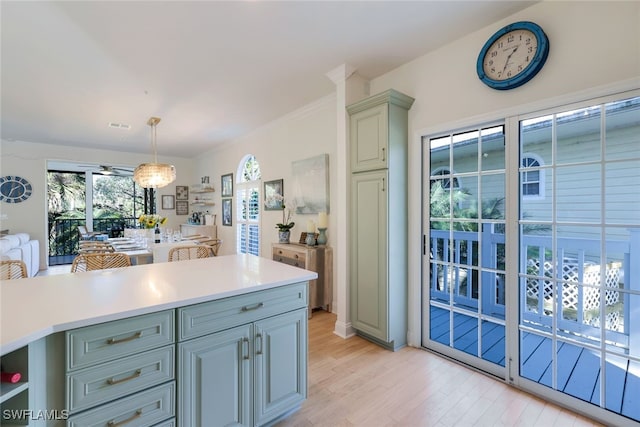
(356, 383)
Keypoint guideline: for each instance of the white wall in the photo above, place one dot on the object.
(29, 160)
(592, 45)
(305, 133)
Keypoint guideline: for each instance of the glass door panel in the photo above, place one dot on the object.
(579, 234)
(466, 196)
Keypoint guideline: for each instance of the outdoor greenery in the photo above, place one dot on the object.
(116, 201)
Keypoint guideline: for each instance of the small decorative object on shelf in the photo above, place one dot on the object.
(10, 377)
(284, 227)
(322, 228)
(157, 233)
(311, 230)
(283, 236)
(322, 236)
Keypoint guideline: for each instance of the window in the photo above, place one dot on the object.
(248, 206)
(532, 176)
(445, 180)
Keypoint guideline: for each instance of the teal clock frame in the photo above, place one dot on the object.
(528, 73)
(14, 189)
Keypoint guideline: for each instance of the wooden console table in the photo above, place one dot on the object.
(313, 258)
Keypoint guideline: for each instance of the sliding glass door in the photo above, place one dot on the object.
(532, 253)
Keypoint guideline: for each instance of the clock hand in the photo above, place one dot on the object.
(508, 58)
(14, 187)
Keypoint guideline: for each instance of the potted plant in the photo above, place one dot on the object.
(284, 227)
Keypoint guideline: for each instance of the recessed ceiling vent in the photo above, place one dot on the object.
(119, 126)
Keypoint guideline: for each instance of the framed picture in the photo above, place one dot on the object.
(303, 237)
(226, 212)
(227, 185)
(168, 202)
(311, 185)
(273, 195)
(182, 207)
(182, 192)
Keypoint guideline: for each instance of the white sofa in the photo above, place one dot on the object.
(20, 246)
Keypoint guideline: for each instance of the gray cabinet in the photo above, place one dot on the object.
(378, 142)
(250, 374)
(122, 372)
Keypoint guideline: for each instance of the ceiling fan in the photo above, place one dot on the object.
(108, 170)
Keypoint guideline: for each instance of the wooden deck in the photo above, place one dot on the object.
(578, 368)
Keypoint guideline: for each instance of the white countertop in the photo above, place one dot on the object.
(37, 307)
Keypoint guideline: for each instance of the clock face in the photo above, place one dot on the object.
(510, 55)
(513, 55)
(14, 189)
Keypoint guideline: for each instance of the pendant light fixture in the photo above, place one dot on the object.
(154, 175)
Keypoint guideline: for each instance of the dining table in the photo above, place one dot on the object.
(142, 252)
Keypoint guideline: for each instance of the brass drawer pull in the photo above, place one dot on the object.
(136, 374)
(253, 307)
(138, 414)
(131, 338)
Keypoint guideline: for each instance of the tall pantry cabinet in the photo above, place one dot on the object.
(378, 128)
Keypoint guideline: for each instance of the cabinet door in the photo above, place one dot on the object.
(369, 292)
(214, 379)
(369, 139)
(280, 365)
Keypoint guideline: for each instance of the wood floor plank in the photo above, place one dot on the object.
(356, 383)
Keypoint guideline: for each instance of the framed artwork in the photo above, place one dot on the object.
(273, 195)
(182, 207)
(227, 185)
(168, 202)
(303, 237)
(226, 212)
(311, 184)
(182, 192)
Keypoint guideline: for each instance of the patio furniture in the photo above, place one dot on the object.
(12, 269)
(181, 253)
(99, 261)
(86, 234)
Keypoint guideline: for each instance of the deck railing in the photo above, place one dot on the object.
(64, 235)
(466, 271)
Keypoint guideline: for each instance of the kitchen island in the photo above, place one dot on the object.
(200, 342)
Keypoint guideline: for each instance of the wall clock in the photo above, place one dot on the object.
(513, 55)
(14, 189)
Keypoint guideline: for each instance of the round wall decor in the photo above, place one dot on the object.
(14, 189)
(513, 55)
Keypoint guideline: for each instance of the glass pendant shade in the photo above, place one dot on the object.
(154, 175)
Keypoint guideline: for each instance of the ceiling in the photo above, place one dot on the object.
(212, 70)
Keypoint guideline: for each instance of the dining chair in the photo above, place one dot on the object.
(90, 247)
(180, 253)
(99, 261)
(214, 244)
(13, 269)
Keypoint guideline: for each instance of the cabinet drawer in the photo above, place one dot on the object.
(109, 381)
(143, 409)
(107, 341)
(209, 317)
(289, 257)
(168, 423)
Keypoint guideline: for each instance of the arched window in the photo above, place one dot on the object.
(445, 179)
(532, 177)
(248, 206)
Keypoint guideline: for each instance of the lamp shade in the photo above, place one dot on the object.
(154, 175)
